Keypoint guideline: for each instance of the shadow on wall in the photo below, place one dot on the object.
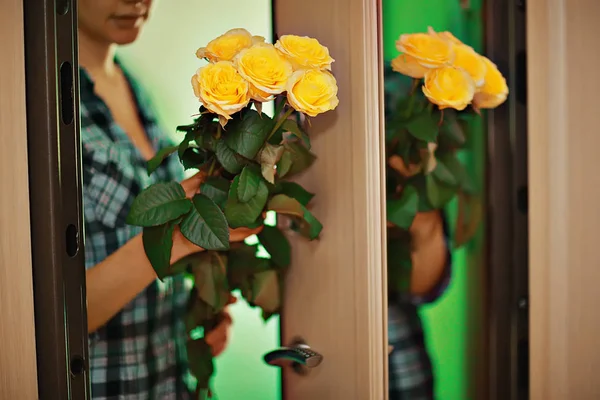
(164, 59)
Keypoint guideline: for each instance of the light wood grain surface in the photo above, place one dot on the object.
(336, 296)
(563, 88)
(18, 376)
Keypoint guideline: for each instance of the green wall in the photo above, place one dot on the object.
(446, 321)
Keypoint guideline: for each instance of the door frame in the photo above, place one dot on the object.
(18, 372)
(564, 181)
(336, 296)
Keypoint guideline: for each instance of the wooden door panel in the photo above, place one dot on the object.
(336, 291)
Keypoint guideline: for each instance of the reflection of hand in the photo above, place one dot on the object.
(426, 226)
(218, 337)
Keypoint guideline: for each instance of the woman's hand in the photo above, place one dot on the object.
(218, 338)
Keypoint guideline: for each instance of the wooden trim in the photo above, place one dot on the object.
(18, 373)
(336, 299)
(563, 85)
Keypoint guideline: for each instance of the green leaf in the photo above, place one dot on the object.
(210, 277)
(242, 262)
(216, 188)
(158, 242)
(200, 361)
(284, 164)
(264, 291)
(443, 174)
(248, 184)
(438, 193)
(193, 158)
(457, 169)
(198, 311)
(291, 126)
(423, 127)
(247, 135)
(309, 225)
(268, 157)
(206, 225)
(294, 190)
(401, 212)
(245, 214)
(452, 130)
(190, 135)
(230, 161)
(294, 160)
(277, 245)
(160, 156)
(399, 265)
(158, 204)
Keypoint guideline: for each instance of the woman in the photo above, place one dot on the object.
(137, 338)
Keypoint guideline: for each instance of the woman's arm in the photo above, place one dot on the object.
(117, 280)
(430, 256)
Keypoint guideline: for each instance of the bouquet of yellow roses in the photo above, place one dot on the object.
(424, 171)
(247, 159)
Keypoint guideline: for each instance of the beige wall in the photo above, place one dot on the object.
(18, 376)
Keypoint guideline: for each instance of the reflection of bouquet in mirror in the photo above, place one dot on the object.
(247, 159)
(425, 131)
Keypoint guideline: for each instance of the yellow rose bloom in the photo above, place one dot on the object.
(228, 45)
(445, 35)
(409, 66)
(304, 52)
(429, 51)
(221, 89)
(265, 69)
(312, 92)
(466, 58)
(494, 90)
(449, 87)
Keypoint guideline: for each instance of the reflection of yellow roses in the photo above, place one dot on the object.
(265, 69)
(467, 59)
(445, 35)
(228, 45)
(304, 52)
(449, 87)
(427, 50)
(221, 89)
(312, 92)
(494, 90)
(409, 66)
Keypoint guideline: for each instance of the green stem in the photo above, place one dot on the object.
(280, 122)
(411, 99)
(218, 132)
(430, 107)
(212, 166)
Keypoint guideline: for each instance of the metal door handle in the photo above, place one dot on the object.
(299, 356)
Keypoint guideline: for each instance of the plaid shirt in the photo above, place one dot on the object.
(410, 372)
(140, 353)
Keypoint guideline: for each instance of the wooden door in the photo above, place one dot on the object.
(563, 84)
(18, 377)
(336, 294)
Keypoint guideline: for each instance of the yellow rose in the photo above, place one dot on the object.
(312, 92)
(445, 35)
(467, 59)
(265, 69)
(221, 89)
(408, 66)
(429, 51)
(304, 52)
(228, 45)
(494, 90)
(449, 87)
